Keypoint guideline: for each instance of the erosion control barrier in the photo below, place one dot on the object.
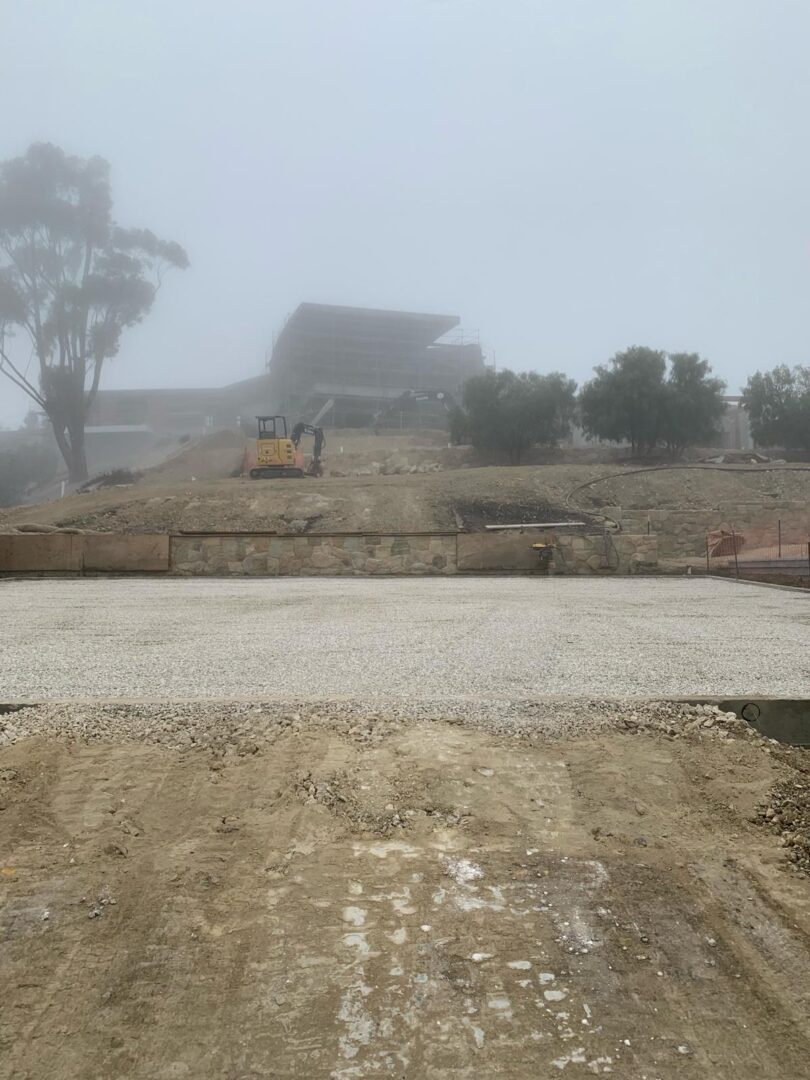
(337, 554)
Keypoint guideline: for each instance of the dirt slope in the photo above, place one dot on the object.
(196, 491)
(363, 899)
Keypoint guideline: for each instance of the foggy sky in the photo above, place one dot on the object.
(568, 176)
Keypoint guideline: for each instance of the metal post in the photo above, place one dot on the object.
(779, 534)
(808, 556)
(708, 564)
(734, 545)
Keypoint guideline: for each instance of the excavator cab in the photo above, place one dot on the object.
(272, 427)
(275, 452)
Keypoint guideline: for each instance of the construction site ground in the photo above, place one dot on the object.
(344, 896)
(375, 485)
(400, 640)
(399, 828)
(446, 875)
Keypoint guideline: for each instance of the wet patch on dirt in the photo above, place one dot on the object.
(475, 514)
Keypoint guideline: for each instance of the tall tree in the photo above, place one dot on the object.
(510, 412)
(778, 406)
(693, 403)
(636, 400)
(71, 281)
(625, 400)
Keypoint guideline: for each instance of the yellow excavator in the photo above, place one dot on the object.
(278, 455)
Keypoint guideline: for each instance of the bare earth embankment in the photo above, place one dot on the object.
(380, 488)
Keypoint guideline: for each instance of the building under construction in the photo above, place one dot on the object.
(347, 367)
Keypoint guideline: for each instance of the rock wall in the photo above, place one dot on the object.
(486, 551)
(683, 532)
(417, 553)
(328, 555)
(605, 553)
(40, 553)
(77, 553)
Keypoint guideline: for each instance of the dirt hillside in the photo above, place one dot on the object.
(409, 482)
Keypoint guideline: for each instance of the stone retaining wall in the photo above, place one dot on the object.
(40, 553)
(683, 532)
(141, 553)
(611, 553)
(260, 555)
(483, 551)
(76, 553)
(417, 553)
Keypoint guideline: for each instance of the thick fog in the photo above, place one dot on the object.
(568, 176)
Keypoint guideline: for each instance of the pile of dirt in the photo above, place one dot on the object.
(201, 725)
(787, 812)
(677, 718)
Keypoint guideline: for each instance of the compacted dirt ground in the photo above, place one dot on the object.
(247, 893)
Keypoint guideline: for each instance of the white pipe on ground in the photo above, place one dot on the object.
(535, 525)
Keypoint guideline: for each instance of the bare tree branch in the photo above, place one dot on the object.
(13, 374)
(93, 391)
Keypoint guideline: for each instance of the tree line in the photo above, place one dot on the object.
(642, 396)
(647, 398)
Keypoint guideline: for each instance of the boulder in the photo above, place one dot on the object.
(35, 527)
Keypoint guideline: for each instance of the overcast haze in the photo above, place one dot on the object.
(568, 176)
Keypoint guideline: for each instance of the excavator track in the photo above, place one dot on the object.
(271, 472)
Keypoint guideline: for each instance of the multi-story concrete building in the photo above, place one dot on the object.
(125, 425)
(180, 411)
(343, 366)
(340, 366)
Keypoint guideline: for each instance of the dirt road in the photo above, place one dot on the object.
(376, 899)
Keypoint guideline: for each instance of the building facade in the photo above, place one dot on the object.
(345, 366)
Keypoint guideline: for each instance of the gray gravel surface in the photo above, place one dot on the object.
(396, 640)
